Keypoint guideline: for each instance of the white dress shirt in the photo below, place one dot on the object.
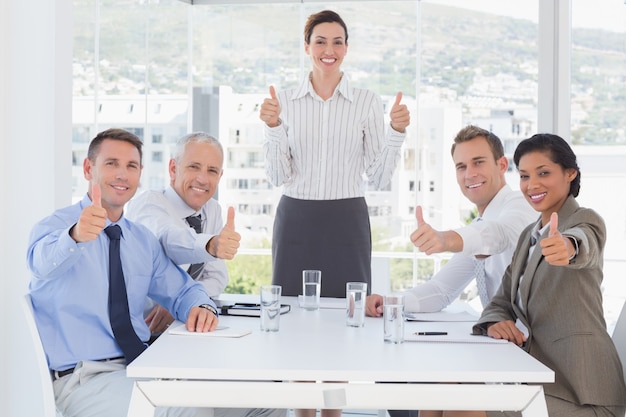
(496, 235)
(323, 148)
(164, 213)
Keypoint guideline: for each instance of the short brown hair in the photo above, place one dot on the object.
(325, 16)
(113, 134)
(470, 132)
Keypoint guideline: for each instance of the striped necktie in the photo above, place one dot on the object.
(196, 223)
(479, 274)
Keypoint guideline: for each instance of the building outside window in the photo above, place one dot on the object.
(183, 67)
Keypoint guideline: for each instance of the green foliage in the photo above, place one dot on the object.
(248, 272)
(473, 214)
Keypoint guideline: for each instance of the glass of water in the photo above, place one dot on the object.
(270, 307)
(393, 317)
(311, 289)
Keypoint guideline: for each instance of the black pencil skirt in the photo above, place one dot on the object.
(333, 236)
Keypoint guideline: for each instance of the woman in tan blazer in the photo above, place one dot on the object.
(553, 288)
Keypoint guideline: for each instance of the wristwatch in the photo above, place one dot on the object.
(209, 307)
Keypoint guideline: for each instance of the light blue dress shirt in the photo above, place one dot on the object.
(69, 286)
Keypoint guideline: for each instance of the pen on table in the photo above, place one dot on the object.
(431, 333)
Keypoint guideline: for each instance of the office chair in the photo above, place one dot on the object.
(45, 381)
(619, 337)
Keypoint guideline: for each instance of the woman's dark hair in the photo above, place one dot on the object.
(558, 151)
(325, 16)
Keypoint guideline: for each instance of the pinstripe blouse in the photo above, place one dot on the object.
(333, 149)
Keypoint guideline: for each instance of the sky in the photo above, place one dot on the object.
(596, 14)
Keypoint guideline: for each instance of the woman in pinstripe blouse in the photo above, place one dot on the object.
(325, 141)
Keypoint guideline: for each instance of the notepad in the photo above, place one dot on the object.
(454, 339)
(248, 309)
(221, 331)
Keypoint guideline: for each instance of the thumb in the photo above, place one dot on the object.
(96, 195)
(554, 224)
(230, 219)
(272, 92)
(419, 216)
(398, 98)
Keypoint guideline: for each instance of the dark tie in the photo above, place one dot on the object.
(196, 223)
(119, 314)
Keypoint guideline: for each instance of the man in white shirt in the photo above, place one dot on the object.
(187, 220)
(482, 249)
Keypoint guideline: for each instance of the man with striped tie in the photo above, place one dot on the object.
(482, 249)
(187, 220)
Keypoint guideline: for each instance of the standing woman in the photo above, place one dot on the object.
(322, 139)
(553, 287)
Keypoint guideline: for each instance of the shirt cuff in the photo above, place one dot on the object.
(575, 243)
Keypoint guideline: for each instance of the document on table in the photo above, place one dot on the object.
(221, 331)
(454, 312)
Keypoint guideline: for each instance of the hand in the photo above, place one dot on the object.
(92, 220)
(270, 109)
(225, 245)
(425, 238)
(159, 319)
(201, 320)
(374, 305)
(400, 116)
(506, 330)
(556, 249)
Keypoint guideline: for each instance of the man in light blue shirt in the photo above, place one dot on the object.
(68, 256)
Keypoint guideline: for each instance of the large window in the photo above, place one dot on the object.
(598, 112)
(164, 68)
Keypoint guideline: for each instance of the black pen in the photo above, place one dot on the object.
(431, 333)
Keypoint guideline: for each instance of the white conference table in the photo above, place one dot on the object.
(316, 361)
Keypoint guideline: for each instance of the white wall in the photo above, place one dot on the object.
(35, 167)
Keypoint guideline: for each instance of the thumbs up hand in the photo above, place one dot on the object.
(92, 219)
(226, 244)
(400, 116)
(425, 238)
(270, 109)
(556, 249)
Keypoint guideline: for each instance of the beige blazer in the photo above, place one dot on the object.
(562, 309)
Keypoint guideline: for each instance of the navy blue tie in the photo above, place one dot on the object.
(119, 314)
(196, 223)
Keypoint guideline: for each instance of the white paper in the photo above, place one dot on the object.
(221, 331)
(454, 312)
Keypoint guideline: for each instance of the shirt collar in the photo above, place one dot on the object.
(180, 207)
(306, 87)
(536, 232)
(495, 204)
(122, 222)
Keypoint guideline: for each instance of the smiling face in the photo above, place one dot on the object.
(479, 175)
(544, 183)
(196, 175)
(327, 47)
(117, 169)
